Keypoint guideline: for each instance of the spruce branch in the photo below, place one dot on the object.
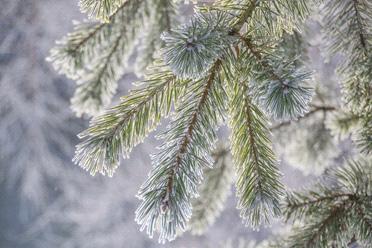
(119, 129)
(178, 166)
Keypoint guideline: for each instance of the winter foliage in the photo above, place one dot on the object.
(229, 54)
(337, 211)
(348, 25)
(96, 54)
(191, 50)
(240, 64)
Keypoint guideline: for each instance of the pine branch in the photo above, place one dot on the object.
(363, 225)
(364, 139)
(348, 27)
(298, 205)
(192, 49)
(334, 214)
(283, 91)
(177, 168)
(213, 192)
(361, 31)
(96, 91)
(258, 186)
(161, 19)
(266, 18)
(68, 55)
(319, 233)
(100, 9)
(118, 130)
(95, 54)
(199, 51)
(260, 60)
(80, 47)
(308, 144)
(247, 12)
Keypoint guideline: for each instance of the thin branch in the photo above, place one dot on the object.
(99, 27)
(320, 199)
(187, 137)
(308, 114)
(335, 212)
(186, 140)
(260, 59)
(251, 137)
(105, 66)
(134, 110)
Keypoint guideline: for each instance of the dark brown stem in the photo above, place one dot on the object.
(136, 108)
(248, 43)
(308, 114)
(187, 136)
(251, 137)
(186, 140)
(77, 46)
(321, 199)
(334, 214)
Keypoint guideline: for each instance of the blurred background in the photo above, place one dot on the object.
(47, 201)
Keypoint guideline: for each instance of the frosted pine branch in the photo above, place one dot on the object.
(178, 166)
(336, 210)
(100, 9)
(347, 26)
(96, 54)
(114, 133)
(282, 88)
(258, 186)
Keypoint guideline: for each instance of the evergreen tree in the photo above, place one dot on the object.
(235, 62)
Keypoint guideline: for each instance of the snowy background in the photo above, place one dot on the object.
(45, 200)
